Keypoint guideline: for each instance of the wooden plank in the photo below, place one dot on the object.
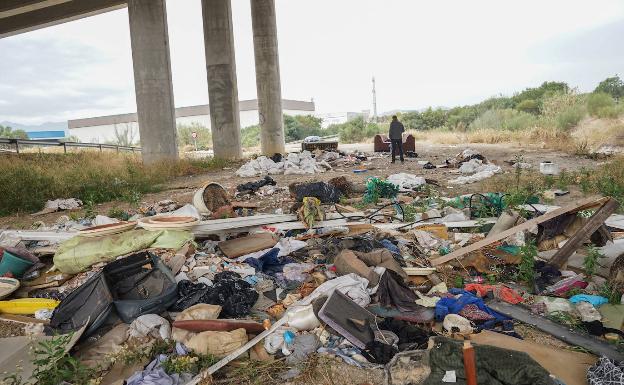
(593, 344)
(521, 227)
(236, 247)
(577, 240)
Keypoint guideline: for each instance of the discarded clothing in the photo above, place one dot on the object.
(361, 264)
(501, 292)
(380, 353)
(151, 325)
(588, 312)
(234, 294)
(606, 372)
(154, 374)
(495, 366)
(595, 300)
(354, 286)
(455, 323)
(269, 263)
(252, 187)
(411, 337)
(325, 192)
(455, 305)
(393, 292)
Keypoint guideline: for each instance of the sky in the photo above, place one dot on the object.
(422, 53)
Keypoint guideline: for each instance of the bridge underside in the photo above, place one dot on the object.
(152, 66)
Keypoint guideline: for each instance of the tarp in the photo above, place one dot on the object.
(79, 253)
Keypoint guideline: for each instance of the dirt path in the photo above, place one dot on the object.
(182, 189)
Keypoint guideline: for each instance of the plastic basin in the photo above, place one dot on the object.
(15, 265)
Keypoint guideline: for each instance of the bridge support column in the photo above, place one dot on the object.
(152, 79)
(268, 82)
(222, 85)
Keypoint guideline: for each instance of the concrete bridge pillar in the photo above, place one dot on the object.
(268, 82)
(222, 85)
(152, 79)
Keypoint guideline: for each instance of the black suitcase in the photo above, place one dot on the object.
(140, 284)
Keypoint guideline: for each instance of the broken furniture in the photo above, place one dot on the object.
(382, 143)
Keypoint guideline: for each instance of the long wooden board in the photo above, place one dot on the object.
(459, 253)
(593, 224)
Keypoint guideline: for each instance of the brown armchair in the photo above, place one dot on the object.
(382, 143)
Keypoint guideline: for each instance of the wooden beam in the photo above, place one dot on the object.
(577, 240)
(460, 253)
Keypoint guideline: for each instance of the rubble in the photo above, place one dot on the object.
(377, 272)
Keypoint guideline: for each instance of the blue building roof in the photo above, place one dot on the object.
(46, 134)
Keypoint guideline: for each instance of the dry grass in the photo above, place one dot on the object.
(28, 180)
(596, 132)
(536, 136)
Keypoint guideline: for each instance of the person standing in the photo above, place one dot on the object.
(396, 137)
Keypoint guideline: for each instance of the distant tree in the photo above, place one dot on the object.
(250, 136)
(9, 133)
(613, 86)
(125, 135)
(538, 94)
(185, 135)
(72, 138)
(297, 127)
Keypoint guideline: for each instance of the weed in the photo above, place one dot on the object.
(118, 213)
(591, 262)
(54, 366)
(526, 269)
(191, 363)
(566, 319)
(28, 180)
(610, 292)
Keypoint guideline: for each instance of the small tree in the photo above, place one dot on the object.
(126, 135)
(613, 86)
(9, 133)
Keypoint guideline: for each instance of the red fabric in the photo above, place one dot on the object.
(501, 292)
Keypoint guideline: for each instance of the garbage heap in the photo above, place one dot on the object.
(385, 277)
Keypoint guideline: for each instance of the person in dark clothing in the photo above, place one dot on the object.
(396, 137)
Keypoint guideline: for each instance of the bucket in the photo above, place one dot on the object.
(549, 168)
(198, 198)
(15, 265)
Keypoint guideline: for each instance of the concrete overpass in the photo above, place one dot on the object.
(152, 66)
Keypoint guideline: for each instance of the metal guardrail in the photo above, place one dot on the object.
(54, 143)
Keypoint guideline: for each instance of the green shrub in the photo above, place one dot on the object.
(185, 136)
(597, 102)
(355, 130)
(507, 119)
(608, 112)
(569, 118)
(27, 181)
(529, 105)
(613, 86)
(250, 136)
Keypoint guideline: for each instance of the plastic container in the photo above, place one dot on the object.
(14, 265)
(549, 168)
(26, 306)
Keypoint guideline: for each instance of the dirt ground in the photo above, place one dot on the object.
(182, 189)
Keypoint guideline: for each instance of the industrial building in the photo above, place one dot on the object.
(102, 129)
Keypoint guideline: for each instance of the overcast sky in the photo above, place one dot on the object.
(439, 53)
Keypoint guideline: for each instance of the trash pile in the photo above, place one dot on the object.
(384, 275)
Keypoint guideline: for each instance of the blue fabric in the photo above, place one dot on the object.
(391, 247)
(595, 300)
(269, 263)
(447, 306)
